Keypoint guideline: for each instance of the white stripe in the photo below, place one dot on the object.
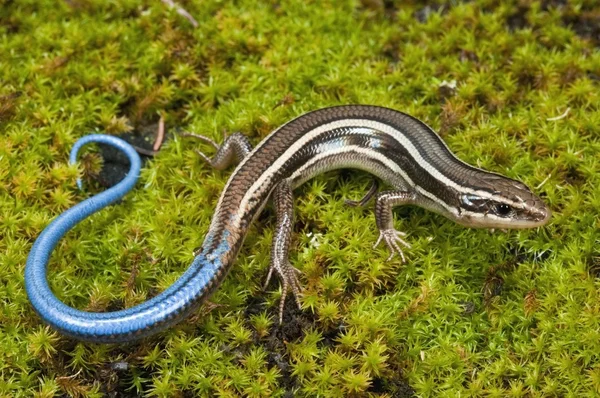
(370, 153)
(360, 125)
(391, 165)
(403, 140)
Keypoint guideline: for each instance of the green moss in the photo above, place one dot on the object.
(470, 314)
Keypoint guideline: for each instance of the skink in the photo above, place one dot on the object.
(398, 149)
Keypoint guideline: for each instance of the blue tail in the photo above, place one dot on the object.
(133, 323)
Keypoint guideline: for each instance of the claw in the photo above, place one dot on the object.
(289, 283)
(392, 237)
(203, 156)
(268, 277)
(201, 138)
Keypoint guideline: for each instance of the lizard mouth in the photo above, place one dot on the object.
(532, 219)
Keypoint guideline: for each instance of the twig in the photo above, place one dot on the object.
(160, 134)
(564, 115)
(160, 137)
(543, 182)
(144, 151)
(181, 11)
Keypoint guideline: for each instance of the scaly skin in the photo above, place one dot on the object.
(396, 148)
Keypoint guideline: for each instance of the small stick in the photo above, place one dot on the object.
(144, 151)
(543, 182)
(564, 115)
(181, 11)
(160, 134)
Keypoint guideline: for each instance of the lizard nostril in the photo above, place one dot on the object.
(543, 215)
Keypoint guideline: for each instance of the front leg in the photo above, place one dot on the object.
(284, 209)
(235, 146)
(384, 218)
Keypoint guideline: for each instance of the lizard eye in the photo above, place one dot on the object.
(502, 209)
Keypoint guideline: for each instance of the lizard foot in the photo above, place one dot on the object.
(391, 238)
(290, 283)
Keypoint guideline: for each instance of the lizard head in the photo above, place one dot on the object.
(502, 203)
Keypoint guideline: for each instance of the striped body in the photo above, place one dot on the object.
(395, 147)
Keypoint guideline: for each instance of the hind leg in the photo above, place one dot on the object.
(365, 199)
(235, 148)
(280, 263)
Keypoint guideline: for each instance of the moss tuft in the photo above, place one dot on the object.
(512, 87)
